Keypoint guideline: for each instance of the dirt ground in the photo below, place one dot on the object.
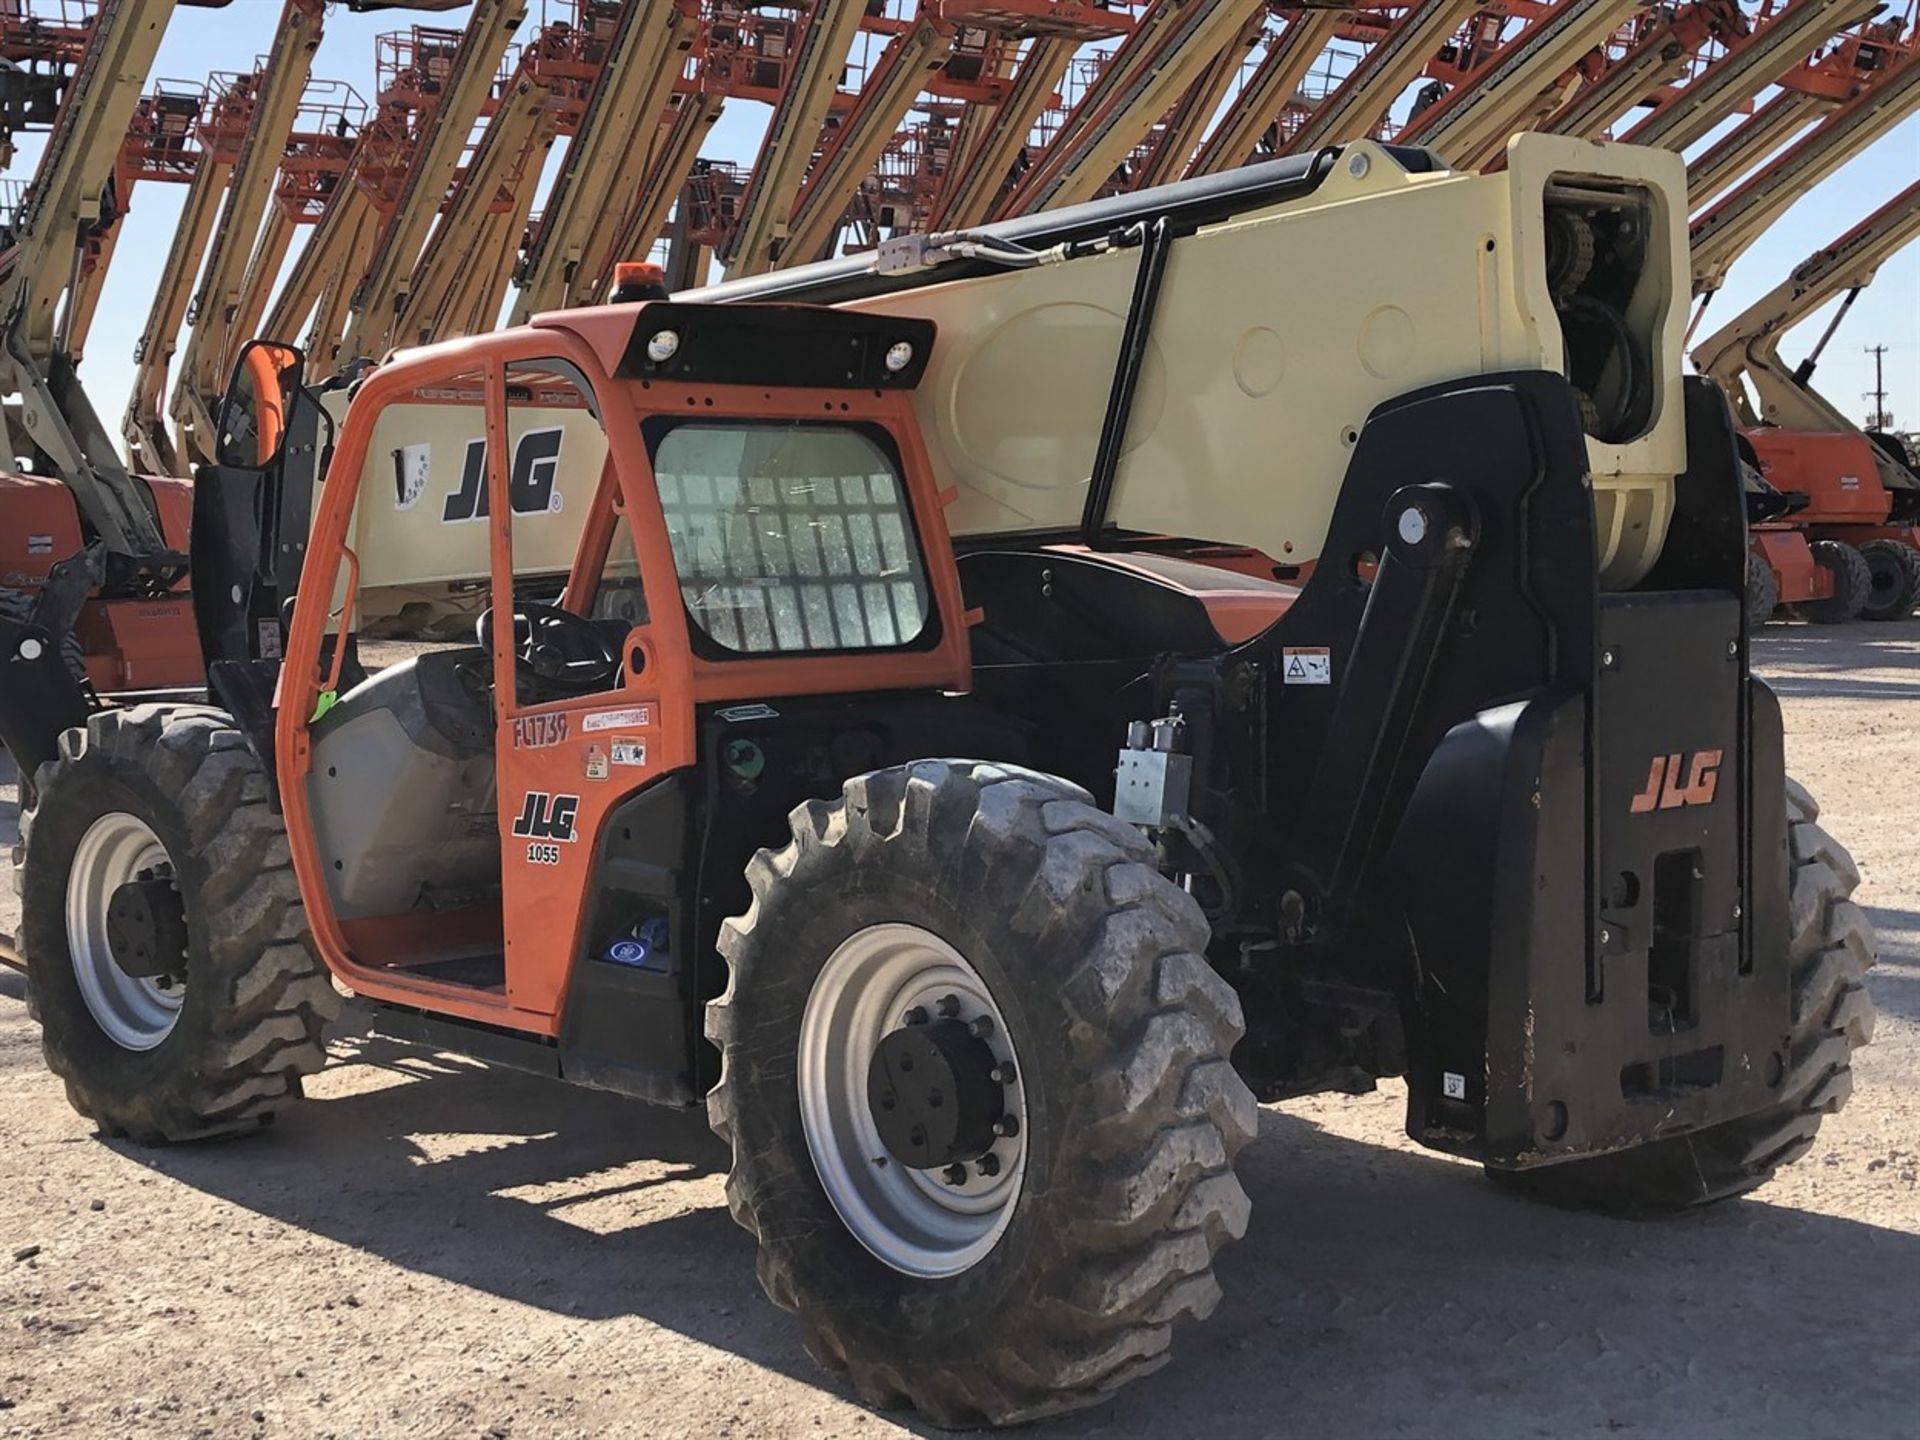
(430, 1248)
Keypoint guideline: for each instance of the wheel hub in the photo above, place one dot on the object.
(120, 852)
(933, 1092)
(147, 927)
(929, 1182)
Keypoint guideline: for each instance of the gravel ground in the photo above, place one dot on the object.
(431, 1248)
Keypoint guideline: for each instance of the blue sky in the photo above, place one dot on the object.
(200, 41)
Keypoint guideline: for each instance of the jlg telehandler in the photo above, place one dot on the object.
(979, 771)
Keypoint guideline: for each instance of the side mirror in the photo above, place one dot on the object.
(259, 398)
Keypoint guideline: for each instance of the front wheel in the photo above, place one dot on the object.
(167, 956)
(976, 1085)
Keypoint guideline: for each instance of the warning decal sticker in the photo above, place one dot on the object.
(1306, 665)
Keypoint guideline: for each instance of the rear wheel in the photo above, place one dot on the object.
(168, 960)
(1831, 949)
(1893, 576)
(1763, 590)
(976, 1086)
(1852, 583)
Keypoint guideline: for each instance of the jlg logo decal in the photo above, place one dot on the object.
(530, 489)
(548, 817)
(1664, 788)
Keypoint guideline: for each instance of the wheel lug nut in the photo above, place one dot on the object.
(915, 1016)
(989, 1165)
(980, 1026)
(955, 1174)
(1006, 1126)
(1002, 1074)
(949, 1006)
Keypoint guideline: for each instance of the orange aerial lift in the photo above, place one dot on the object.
(42, 43)
(619, 132)
(1723, 232)
(1358, 105)
(91, 552)
(378, 299)
(1273, 84)
(1859, 495)
(1168, 50)
(1514, 86)
(248, 147)
(460, 281)
(1864, 59)
(820, 51)
(1683, 115)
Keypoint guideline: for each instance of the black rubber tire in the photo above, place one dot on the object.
(1852, 582)
(1763, 590)
(258, 999)
(1831, 950)
(1134, 1113)
(17, 606)
(1893, 572)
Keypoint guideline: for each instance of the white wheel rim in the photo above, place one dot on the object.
(913, 1220)
(135, 1014)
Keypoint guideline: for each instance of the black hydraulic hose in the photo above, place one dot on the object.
(1156, 243)
(1630, 412)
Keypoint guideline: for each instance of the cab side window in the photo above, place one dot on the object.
(791, 537)
(557, 464)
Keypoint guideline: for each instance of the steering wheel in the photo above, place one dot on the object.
(564, 651)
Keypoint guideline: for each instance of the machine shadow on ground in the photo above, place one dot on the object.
(477, 1177)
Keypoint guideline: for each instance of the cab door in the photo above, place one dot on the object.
(591, 686)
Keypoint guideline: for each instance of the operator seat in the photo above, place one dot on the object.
(402, 787)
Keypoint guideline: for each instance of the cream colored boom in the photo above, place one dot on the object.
(149, 443)
(375, 306)
(1361, 100)
(760, 239)
(1274, 82)
(463, 262)
(1186, 125)
(1276, 334)
(1722, 234)
(910, 58)
(1747, 67)
(1513, 89)
(1720, 166)
(990, 138)
(219, 324)
(1173, 44)
(607, 160)
(53, 415)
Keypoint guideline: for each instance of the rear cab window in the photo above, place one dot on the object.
(791, 537)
